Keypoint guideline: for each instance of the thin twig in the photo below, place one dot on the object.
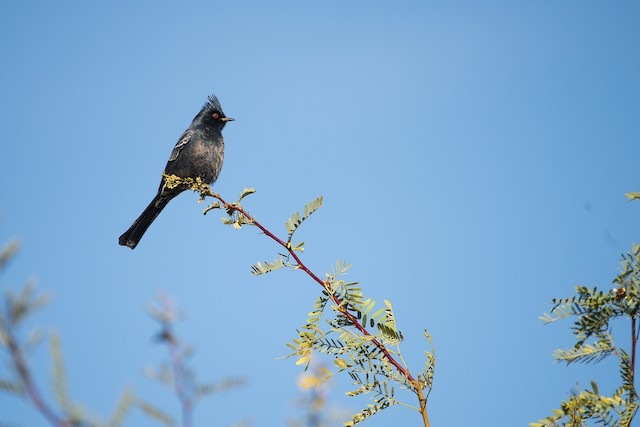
(423, 407)
(20, 363)
(634, 342)
(177, 365)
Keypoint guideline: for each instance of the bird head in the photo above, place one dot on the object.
(211, 113)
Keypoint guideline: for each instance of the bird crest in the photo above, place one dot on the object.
(211, 105)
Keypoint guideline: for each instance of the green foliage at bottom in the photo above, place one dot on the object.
(593, 311)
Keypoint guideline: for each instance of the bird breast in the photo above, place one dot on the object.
(200, 158)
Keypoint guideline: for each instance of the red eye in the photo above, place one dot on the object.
(215, 115)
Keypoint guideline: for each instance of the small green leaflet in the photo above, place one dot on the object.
(259, 268)
(246, 192)
(294, 222)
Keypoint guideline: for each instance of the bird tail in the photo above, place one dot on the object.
(132, 236)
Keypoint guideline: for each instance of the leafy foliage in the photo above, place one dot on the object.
(593, 311)
(353, 351)
(362, 338)
(356, 351)
(590, 405)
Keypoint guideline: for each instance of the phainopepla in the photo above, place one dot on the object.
(198, 153)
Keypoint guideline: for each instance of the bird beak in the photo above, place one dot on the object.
(227, 119)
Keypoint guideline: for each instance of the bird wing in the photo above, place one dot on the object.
(182, 142)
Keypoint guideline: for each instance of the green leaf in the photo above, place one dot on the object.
(227, 384)
(59, 375)
(12, 387)
(296, 219)
(214, 205)
(155, 413)
(585, 353)
(259, 268)
(25, 303)
(246, 192)
(126, 401)
(8, 252)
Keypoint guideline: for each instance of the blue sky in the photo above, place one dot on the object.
(472, 156)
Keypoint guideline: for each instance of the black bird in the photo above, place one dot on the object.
(198, 153)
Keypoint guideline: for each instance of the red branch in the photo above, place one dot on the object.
(634, 344)
(335, 299)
